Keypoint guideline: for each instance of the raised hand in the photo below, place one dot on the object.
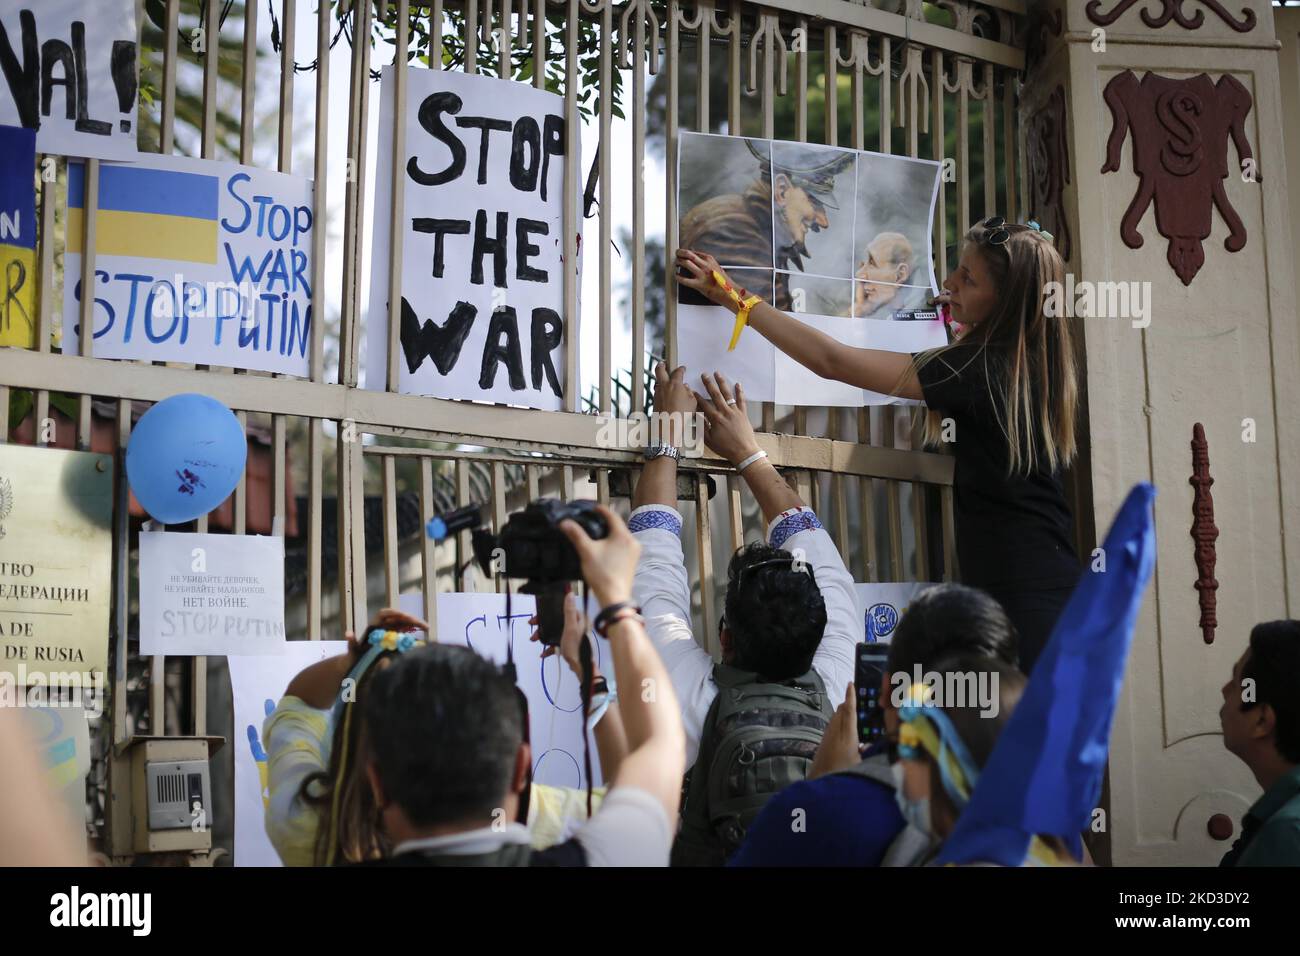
(729, 432)
(695, 271)
(608, 563)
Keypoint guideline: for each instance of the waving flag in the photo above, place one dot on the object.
(1044, 776)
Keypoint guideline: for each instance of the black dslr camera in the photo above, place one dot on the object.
(532, 546)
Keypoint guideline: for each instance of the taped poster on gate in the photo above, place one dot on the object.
(70, 71)
(838, 238)
(482, 312)
(196, 261)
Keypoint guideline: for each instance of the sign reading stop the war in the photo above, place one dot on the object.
(482, 308)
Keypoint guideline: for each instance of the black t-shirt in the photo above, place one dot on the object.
(1013, 530)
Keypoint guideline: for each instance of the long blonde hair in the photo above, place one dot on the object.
(1037, 381)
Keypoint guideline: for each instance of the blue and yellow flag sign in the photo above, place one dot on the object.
(153, 213)
(17, 236)
(195, 261)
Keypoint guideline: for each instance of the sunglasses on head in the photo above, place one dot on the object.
(994, 232)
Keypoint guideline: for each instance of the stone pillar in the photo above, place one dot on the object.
(1154, 151)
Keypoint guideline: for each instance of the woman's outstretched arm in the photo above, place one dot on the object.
(890, 373)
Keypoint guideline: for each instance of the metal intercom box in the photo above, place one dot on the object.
(171, 793)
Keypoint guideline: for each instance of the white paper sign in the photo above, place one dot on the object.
(211, 594)
(70, 72)
(883, 606)
(196, 261)
(479, 621)
(482, 312)
(257, 684)
(840, 239)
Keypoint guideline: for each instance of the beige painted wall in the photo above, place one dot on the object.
(1220, 351)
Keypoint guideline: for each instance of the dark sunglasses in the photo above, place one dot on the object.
(994, 233)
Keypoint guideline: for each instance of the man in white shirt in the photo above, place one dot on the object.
(782, 624)
(447, 763)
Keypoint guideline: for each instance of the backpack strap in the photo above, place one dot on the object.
(910, 847)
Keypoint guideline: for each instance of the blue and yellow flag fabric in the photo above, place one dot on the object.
(1044, 776)
(17, 236)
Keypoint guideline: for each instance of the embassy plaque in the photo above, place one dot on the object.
(56, 556)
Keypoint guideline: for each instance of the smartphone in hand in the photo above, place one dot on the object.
(868, 675)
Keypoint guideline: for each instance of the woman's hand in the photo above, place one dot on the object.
(317, 685)
(729, 432)
(575, 632)
(389, 619)
(695, 271)
(608, 563)
(674, 402)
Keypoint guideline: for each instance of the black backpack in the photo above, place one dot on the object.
(759, 737)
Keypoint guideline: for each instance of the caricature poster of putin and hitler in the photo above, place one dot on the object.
(839, 238)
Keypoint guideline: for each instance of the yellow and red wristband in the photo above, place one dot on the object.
(743, 299)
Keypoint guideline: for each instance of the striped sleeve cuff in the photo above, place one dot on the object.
(655, 516)
(789, 523)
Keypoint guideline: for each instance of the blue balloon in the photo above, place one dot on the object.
(185, 457)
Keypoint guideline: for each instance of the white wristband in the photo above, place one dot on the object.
(750, 460)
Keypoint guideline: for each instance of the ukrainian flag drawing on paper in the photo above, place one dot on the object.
(17, 236)
(147, 213)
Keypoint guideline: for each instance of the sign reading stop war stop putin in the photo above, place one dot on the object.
(195, 261)
(482, 307)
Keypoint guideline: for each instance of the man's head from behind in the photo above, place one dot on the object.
(942, 621)
(775, 615)
(1261, 701)
(444, 743)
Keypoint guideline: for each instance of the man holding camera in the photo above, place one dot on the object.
(448, 782)
(788, 633)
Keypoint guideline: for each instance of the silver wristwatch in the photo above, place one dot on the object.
(663, 451)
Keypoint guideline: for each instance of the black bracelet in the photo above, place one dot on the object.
(602, 621)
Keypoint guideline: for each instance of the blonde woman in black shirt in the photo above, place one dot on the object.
(1008, 383)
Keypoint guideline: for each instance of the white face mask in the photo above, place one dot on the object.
(915, 812)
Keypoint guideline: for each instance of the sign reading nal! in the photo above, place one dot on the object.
(68, 71)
